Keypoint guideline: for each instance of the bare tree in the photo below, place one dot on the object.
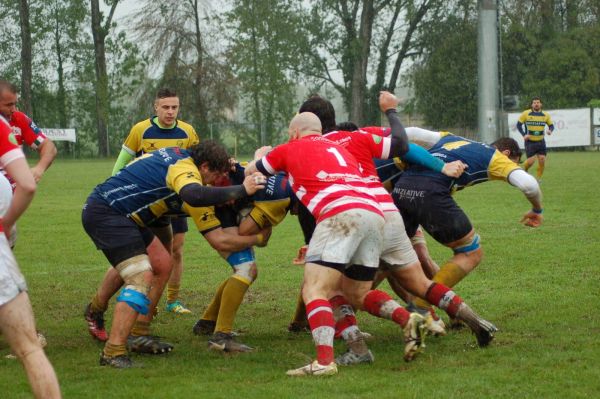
(179, 44)
(26, 60)
(100, 32)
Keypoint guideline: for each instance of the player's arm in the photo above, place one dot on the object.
(19, 171)
(196, 194)
(388, 103)
(47, 153)
(416, 154)
(423, 137)
(210, 227)
(123, 159)
(224, 241)
(531, 189)
(550, 124)
(132, 144)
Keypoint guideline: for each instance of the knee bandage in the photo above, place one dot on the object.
(242, 262)
(132, 272)
(470, 246)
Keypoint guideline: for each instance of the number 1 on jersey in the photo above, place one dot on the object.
(337, 156)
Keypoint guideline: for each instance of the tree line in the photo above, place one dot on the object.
(245, 60)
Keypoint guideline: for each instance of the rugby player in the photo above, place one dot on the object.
(532, 125)
(25, 131)
(119, 211)
(345, 246)
(398, 255)
(265, 209)
(16, 315)
(424, 197)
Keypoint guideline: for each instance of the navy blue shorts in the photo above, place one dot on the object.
(428, 203)
(179, 225)
(535, 148)
(116, 235)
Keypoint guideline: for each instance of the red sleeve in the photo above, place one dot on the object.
(9, 149)
(275, 161)
(377, 145)
(377, 130)
(31, 134)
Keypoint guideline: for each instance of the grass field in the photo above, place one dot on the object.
(541, 287)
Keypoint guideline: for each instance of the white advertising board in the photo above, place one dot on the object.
(60, 134)
(571, 128)
(596, 117)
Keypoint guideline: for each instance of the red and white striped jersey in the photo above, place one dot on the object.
(26, 131)
(324, 176)
(364, 147)
(9, 148)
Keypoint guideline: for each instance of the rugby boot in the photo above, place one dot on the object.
(177, 308)
(95, 322)
(224, 342)
(150, 344)
(204, 327)
(350, 357)
(118, 362)
(315, 369)
(455, 324)
(414, 336)
(483, 329)
(434, 325)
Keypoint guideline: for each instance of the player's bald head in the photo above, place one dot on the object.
(304, 124)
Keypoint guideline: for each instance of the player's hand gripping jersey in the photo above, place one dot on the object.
(147, 189)
(269, 205)
(330, 184)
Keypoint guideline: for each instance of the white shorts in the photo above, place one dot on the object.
(397, 248)
(12, 281)
(353, 237)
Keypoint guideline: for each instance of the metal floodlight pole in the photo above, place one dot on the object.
(487, 61)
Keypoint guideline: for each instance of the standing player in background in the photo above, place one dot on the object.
(16, 316)
(532, 126)
(25, 130)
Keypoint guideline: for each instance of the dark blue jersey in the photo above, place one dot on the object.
(147, 188)
(483, 162)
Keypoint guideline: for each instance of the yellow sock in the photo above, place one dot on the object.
(96, 306)
(540, 171)
(172, 292)
(449, 275)
(114, 350)
(233, 295)
(212, 311)
(141, 328)
(527, 165)
(300, 312)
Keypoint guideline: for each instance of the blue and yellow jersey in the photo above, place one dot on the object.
(535, 123)
(484, 162)
(147, 136)
(269, 205)
(147, 188)
(389, 170)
